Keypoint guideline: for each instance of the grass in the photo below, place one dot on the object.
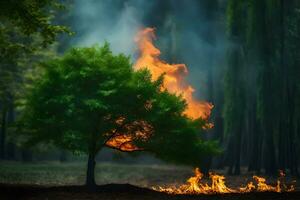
(18, 181)
(73, 173)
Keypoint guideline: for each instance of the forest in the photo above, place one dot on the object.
(91, 92)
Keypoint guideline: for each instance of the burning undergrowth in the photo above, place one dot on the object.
(217, 185)
(174, 81)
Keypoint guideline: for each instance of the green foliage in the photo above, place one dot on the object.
(267, 33)
(235, 17)
(79, 98)
(234, 93)
(26, 28)
(32, 16)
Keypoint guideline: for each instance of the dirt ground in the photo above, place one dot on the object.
(63, 181)
(121, 192)
(73, 174)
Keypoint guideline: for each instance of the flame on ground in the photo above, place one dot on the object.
(218, 186)
(174, 74)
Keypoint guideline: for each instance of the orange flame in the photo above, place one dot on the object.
(174, 82)
(124, 137)
(174, 74)
(122, 143)
(194, 186)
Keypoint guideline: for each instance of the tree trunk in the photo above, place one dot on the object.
(90, 175)
(3, 134)
(284, 121)
(230, 151)
(269, 151)
(237, 164)
(256, 147)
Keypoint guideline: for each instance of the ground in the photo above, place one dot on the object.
(55, 180)
(121, 192)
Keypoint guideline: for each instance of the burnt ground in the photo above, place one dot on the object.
(121, 192)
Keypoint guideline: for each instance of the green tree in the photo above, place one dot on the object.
(32, 16)
(269, 82)
(26, 28)
(90, 98)
(234, 93)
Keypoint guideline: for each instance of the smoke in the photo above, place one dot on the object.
(202, 41)
(184, 32)
(113, 21)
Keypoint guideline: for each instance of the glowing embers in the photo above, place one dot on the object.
(124, 137)
(174, 75)
(195, 186)
(122, 142)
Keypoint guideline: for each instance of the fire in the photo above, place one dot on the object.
(174, 74)
(122, 142)
(263, 186)
(218, 186)
(194, 185)
(174, 82)
(123, 138)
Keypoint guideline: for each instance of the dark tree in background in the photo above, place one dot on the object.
(264, 31)
(253, 85)
(26, 28)
(234, 95)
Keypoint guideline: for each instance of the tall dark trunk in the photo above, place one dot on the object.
(267, 95)
(284, 121)
(3, 134)
(269, 151)
(256, 146)
(230, 150)
(90, 175)
(292, 148)
(237, 164)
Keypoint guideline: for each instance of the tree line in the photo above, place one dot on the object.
(253, 83)
(261, 94)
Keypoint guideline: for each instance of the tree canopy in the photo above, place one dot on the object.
(32, 16)
(27, 27)
(90, 98)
